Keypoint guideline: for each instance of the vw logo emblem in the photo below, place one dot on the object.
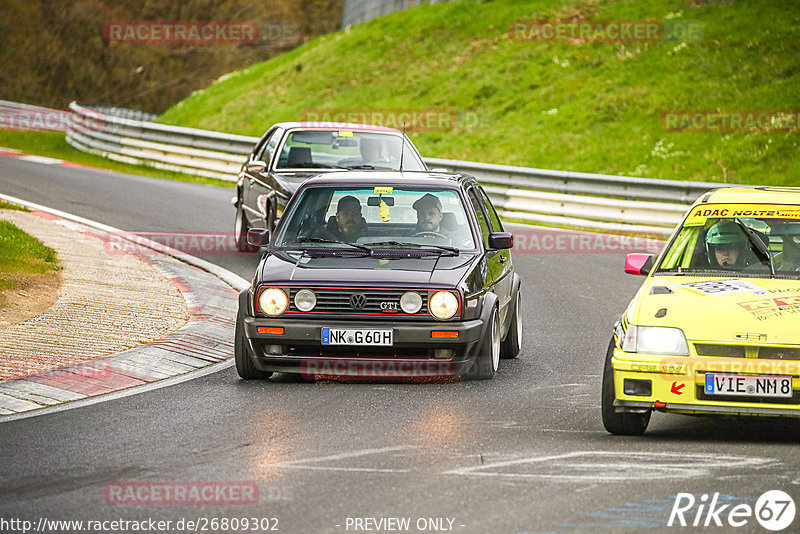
(358, 301)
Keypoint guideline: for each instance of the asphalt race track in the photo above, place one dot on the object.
(525, 452)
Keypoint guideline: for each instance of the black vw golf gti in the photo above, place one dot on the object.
(382, 275)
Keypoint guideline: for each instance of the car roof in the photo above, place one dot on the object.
(334, 126)
(752, 195)
(445, 180)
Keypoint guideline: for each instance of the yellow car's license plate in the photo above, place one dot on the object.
(749, 386)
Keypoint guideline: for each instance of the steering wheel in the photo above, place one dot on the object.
(429, 233)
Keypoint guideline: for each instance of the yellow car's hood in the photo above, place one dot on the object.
(722, 310)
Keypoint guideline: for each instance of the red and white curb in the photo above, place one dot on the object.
(202, 346)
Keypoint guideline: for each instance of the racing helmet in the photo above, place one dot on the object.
(726, 233)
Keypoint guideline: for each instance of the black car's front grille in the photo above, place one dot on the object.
(383, 302)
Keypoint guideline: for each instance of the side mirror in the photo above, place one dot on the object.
(640, 264)
(256, 166)
(258, 237)
(501, 240)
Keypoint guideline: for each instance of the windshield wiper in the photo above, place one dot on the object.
(443, 248)
(760, 246)
(362, 166)
(334, 241)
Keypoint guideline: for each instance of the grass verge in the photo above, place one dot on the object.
(21, 256)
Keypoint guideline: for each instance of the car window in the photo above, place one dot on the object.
(721, 245)
(477, 205)
(267, 149)
(343, 149)
(494, 220)
(384, 216)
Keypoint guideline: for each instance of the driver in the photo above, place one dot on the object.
(429, 213)
(370, 150)
(725, 246)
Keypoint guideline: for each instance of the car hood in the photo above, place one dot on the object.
(290, 181)
(722, 310)
(354, 270)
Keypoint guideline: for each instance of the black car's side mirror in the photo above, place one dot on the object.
(501, 240)
(258, 237)
(256, 166)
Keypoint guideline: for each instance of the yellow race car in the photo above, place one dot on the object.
(715, 327)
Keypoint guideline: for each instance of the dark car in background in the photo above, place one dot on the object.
(291, 152)
(381, 276)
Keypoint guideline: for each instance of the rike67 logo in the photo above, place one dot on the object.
(774, 510)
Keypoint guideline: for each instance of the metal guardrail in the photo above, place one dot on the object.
(576, 199)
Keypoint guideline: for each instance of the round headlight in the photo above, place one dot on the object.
(305, 300)
(273, 301)
(443, 305)
(410, 302)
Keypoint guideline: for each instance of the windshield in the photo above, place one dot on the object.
(340, 149)
(721, 240)
(377, 219)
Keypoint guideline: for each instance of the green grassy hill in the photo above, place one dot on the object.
(591, 106)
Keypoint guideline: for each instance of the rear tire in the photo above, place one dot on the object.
(509, 349)
(243, 356)
(620, 423)
(488, 359)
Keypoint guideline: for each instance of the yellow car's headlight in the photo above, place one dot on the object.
(443, 305)
(273, 301)
(655, 340)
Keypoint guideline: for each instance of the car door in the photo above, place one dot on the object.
(488, 269)
(257, 192)
(501, 259)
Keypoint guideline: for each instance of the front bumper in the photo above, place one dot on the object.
(677, 384)
(414, 352)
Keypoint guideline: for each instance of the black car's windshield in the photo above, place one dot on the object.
(384, 218)
(342, 149)
(726, 245)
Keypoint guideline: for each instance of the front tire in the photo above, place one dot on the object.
(488, 359)
(240, 230)
(509, 349)
(620, 423)
(242, 355)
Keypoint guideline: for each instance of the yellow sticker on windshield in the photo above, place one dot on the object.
(345, 134)
(383, 190)
(695, 221)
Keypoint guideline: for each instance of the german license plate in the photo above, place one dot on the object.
(748, 386)
(346, 336)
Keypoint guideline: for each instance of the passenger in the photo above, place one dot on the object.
(370, 150)
(726, 246)
(788, 259)
(348, 224)
(429, 213)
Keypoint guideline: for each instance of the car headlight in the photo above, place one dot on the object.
(410, 302)
(655, 340)
(305, 300)
(443, 305)
(273, 301)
